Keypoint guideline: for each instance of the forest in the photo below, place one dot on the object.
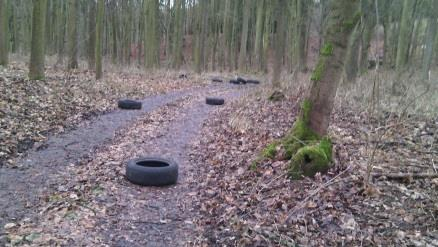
(218, 123)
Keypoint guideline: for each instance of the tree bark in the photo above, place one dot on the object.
(431, 36)
(341, 21)
(36, 66)
(152, 34)
(4, 33)
(72, 40)
(279, 38)
(99, 40)
(405, 35)
(92, 35)
(301, 33)
(352, 58)
(244, 37)
(258, 51)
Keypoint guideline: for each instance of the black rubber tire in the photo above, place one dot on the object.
(234, 82)
(214, 101)
(253, 81)
(151, 171)
(216, 80)
(129, 104)
(241, 80)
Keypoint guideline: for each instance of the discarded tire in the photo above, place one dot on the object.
(129, 104)
(152, 171)
(253, 81)
(234, 82)
(214, 101)
(241, 80)
(216, 80)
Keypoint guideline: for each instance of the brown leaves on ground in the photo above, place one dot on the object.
(30, 110)
(262, 207)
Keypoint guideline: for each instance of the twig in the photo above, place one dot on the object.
(314, 192)
(397, 176)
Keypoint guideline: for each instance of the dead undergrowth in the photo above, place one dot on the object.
(243, 204)
(31, 110)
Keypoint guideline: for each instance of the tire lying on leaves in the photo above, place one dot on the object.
(215, 79)
(214, 101)
(241, 80)
(250, 81)
(151, 171)
(234, 82)
(129, 104)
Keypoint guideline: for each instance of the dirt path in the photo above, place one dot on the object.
(163, 223)
(161, 217)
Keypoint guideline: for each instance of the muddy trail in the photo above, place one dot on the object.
(41, 171)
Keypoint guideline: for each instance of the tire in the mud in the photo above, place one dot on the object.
(250, 81)
(241, 80)
(234, 82)
(214, 101)
(151, 171)
(129, 104)
(215, 79)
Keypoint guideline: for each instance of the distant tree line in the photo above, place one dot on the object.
(245, 35)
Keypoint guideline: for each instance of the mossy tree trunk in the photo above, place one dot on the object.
(4, 33)
(36, 66)
(72, 31)
(342, 18)
(99, 40)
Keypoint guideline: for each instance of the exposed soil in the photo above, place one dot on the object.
(92, 203)
(32, 110)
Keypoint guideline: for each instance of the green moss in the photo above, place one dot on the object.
(319, 70)
(270, 151)
(326, 146)
(300, 134)
(327, 49)
(255, 163)
(311, 159)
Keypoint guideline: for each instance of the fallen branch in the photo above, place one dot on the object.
(399, 176)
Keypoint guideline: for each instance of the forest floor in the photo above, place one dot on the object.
(70, 187)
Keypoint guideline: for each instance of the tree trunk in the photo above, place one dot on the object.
(72, 40)
(36, 66)
(301, 33)
(99, 40)
(178, 29)
(325, 77)
(368, 23)
(279, 38)
(244, 37)
(431, 36)
(405, 35)
(92, 35)
(152, 34)
(258, 51)
(352, 58)
(4, 33)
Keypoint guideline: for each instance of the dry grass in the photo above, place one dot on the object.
(373, 92)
